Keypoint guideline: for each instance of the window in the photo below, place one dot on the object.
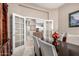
(19, 30)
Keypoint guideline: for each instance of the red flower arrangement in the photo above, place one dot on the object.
(55, 36)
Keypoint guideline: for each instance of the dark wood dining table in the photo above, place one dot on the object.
(67, 49)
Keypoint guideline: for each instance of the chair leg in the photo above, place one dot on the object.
(35, 54)
(40, 52)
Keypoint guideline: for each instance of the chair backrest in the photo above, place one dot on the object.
(36, 46)
(61, 37)
(47, 49)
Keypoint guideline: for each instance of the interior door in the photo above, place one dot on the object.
(48, 29)
(18, 30)
(30, 26)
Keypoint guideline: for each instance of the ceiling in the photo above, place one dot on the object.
(47, 5)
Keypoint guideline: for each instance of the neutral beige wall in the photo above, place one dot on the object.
(15, 8)
(53, 15)
(24, 11)
(63, 22)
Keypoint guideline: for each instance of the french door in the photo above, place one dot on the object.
(30, 27)
(48, 29)
(18, 31)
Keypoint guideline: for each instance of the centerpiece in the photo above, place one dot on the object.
(55, 36)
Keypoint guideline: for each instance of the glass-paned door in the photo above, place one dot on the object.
(19, 31)
(30, 27)
(48, 29)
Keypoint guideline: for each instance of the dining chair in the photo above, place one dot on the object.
(62, 36)
(36, 46)
(47, 49)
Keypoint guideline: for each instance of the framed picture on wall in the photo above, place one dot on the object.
(74, 19)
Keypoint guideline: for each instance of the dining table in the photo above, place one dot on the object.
(67, 49)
